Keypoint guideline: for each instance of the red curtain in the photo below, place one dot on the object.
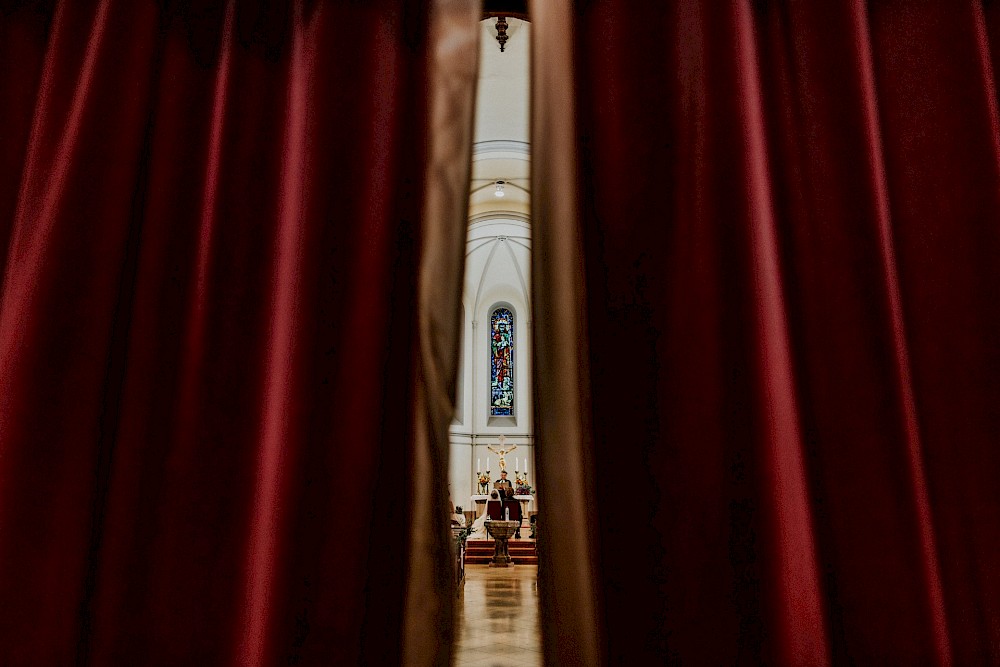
(206, 329)
(789, 228)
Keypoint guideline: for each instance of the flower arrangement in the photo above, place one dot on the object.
(521, 486)
(484, 481)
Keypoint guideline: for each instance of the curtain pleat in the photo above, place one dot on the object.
(568, 581)
(210, 329)
(452, 79)
(788, 215)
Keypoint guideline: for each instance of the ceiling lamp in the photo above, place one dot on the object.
(502, 31)
(499, 190)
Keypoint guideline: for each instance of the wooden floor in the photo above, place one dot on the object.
(498, 618)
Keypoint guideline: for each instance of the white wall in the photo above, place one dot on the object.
(502, 109)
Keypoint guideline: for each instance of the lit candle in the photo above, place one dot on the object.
(479, 464)
(525, 467)
(487, 463)
(517, 464)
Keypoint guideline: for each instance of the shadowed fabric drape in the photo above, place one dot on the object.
(453, 75)
(216, 218)
(776, 244)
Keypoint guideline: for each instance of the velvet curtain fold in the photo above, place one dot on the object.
(216, 216)
(787, 216)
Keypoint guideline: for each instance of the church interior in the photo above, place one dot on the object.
(491, 437)
(489, 333)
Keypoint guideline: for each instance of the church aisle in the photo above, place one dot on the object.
(498, 618)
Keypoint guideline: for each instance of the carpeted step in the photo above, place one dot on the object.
(486, 560)
(480, 552)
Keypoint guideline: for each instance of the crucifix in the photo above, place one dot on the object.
(502, 452)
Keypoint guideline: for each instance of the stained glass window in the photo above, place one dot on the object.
(502, 363)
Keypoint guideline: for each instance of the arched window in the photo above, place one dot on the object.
(502, 363)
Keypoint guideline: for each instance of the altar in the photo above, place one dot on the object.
(524, 500)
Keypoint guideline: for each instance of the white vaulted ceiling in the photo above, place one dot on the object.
(502, 150)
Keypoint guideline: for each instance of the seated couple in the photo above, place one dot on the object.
(502, 503)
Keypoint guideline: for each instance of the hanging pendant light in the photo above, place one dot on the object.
(499, 190)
